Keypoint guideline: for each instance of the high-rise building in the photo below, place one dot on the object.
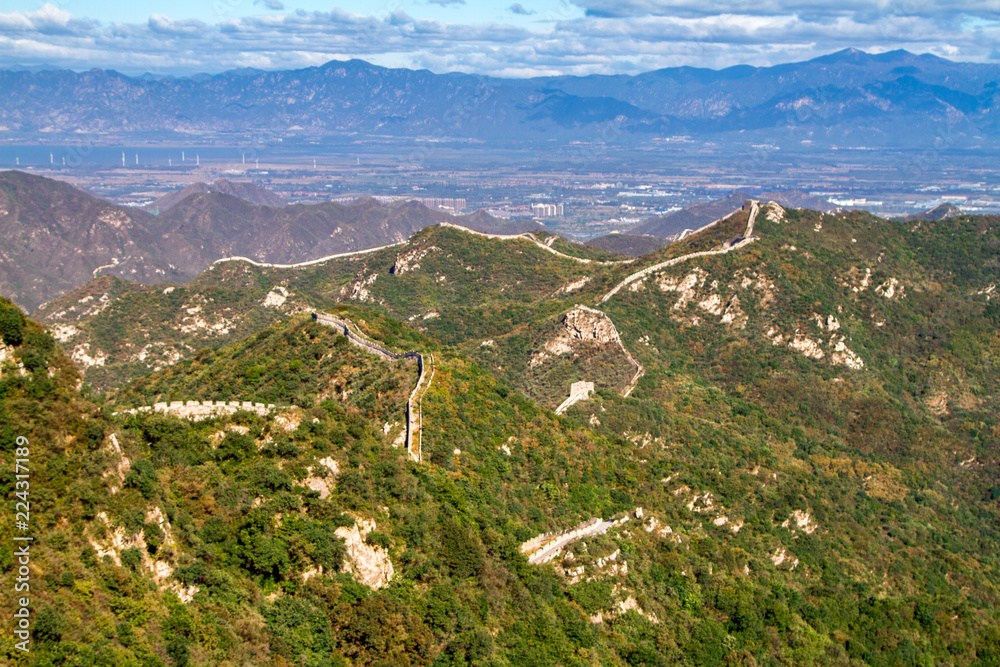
(546, 210)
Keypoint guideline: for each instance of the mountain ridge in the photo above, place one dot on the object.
(248, 192)
(847, 95)
(804, 473)
(54, 237)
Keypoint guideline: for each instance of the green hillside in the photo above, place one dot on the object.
(806, 472)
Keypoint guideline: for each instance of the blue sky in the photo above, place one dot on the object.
(214, 11)
(497, 37)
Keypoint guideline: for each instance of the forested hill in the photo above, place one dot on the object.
(804, 473)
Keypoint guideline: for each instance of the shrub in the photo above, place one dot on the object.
(11, 324)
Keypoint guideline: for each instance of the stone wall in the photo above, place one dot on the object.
(413, 404)
(204, 409)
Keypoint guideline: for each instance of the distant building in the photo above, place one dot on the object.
(451, 203)
(445, 203)
(546, 210)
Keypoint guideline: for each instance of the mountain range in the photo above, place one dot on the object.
(54, 237)
(893, 99)
(772, 441)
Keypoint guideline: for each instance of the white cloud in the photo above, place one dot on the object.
(518, 8)
(47, 20)
(868, 11)
(162, 25)
(647, 35)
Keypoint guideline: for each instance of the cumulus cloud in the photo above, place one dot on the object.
(446, 2)
(276, 5)
(868, 10)
(620, 36)
(162, 25)
(47, 20)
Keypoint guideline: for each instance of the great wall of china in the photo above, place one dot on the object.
(205, 409)
(528, 236)
(311, 262)
(639, 370)
(547, 546)
(746, 240)
(414, 444)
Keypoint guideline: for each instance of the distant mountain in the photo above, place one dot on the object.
(205, 227)
(694, 216)
(54, 237)
(248, 192)
(633, 245)
(939, 212)
(895, 99)
(691, 217)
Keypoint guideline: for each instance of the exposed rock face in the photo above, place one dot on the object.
(800, 520)
(116, 539)
(581, 326)
(409, 259)
(369, 564)
(585, 324)
(322, 481)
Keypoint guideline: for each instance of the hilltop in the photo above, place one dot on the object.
(939, 212)
(248, 192)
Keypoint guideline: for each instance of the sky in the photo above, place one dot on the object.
(494, 37)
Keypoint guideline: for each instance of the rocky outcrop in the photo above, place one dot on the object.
(584, 325)
(369, 564)
(589, 325)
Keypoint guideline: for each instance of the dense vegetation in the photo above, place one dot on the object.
(794, 509)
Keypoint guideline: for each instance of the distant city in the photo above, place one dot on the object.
(583, 200)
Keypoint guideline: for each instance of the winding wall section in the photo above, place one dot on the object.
(311, 262)
(531, 237)
(743, 242)
(639, 370)
(413, 404)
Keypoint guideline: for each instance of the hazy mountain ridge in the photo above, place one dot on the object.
(846, 96)
(54, 237)
(939, 212)
(248, 192)
(691, 217)
(632, 245)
